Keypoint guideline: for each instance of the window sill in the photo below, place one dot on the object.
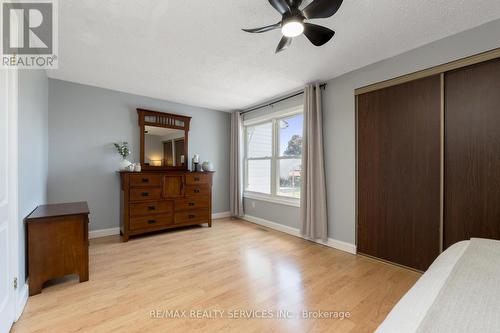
(273, 199)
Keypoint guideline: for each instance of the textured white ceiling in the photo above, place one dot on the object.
(194, 52)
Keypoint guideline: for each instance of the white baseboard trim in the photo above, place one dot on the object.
(116, 231)
(273, 225)
(104, 232)
(339, 245)
(333, 243)
(22, 299)
(221, 215)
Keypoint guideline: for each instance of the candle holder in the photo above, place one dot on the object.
(196, 161)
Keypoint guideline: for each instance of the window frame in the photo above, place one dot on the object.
(273, 118)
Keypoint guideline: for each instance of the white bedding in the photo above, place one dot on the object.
(410, 311)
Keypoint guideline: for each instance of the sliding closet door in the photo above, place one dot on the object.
(472, 153)
(399, 166)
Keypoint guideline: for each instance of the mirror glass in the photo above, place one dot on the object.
(163, 147)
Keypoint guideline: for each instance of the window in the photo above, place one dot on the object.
(259, 140)
(273, 152)
(290, 154)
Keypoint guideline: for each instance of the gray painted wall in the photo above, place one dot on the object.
(339, 124)
(33, 149)
(84, 121)
(274, 212)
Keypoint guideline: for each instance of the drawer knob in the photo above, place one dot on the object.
(191, 204)
(145, 194)
(192, 216)
(196, 190)
(196, 179)
(151, 221)
(151, 207)
(145, 180)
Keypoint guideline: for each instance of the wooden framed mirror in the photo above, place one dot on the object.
(164, 140)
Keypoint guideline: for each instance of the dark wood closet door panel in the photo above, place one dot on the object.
(399, 154)
(472, 153)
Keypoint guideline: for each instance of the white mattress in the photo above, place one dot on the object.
(407, 315)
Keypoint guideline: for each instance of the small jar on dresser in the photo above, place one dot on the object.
(154, 200)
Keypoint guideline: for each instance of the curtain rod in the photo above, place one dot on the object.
(323, 85)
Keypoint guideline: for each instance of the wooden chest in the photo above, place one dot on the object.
(158, 200)
(57, 243)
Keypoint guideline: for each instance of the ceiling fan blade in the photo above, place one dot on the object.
(317, 34)
(264, 29)
(294, 3)
(284, 44)
(321, 9)
(280, 5)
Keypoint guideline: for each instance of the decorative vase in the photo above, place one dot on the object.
(124, 164)
(207, 166)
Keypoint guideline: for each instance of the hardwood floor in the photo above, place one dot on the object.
(235, 265)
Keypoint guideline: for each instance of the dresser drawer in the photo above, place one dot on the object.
(197, 178)
(192, 216)
(146, 222)
(195, 190)
(192, 203)
(145, 208)
(142, 194)
(145, 180)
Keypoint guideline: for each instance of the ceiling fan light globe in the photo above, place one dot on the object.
(292, 29)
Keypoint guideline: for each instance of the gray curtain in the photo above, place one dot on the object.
(313, 214)
(236, 167)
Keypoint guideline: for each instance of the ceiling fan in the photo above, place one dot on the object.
(293, 22)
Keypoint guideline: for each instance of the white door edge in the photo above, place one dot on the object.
(13, 88)
(9, 89)
(11, 85)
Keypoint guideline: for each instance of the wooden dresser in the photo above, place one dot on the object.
(157, 200)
